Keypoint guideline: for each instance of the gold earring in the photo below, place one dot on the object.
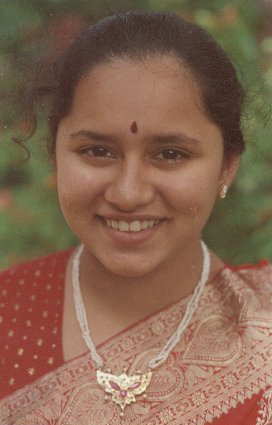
(223, 191)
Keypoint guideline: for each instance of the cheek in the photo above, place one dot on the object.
(194, 192)
(77, 188)
(68, 196)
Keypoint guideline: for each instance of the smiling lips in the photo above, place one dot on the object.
(132, 226)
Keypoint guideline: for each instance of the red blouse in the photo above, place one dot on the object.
(31, 306)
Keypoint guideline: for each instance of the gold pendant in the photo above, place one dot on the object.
(123, 388)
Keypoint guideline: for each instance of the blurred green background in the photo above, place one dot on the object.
(34, 32)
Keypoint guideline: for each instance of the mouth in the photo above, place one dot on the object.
(134, 226)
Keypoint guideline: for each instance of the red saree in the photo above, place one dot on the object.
(220, 373)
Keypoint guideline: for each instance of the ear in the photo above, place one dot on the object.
(229, 170)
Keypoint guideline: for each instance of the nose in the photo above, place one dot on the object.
(130, 187)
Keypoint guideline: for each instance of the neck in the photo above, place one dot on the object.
(133, 298)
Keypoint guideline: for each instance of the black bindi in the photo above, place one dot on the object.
(134, 127)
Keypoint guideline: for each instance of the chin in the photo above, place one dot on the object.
(129, 268)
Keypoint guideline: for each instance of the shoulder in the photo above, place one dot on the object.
(31, 305)
(28, 282)
(251, 289)
(257, 277)
(49, 265)
(27, 286)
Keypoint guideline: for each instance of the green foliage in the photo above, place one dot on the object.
(31, 223)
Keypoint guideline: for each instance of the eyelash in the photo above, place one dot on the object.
(182, 155)
(101, 148)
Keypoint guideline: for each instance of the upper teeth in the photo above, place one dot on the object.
(133, 226)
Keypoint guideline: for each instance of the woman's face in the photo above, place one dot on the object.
(139, 165)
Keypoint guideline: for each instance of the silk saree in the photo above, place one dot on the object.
(220, 373)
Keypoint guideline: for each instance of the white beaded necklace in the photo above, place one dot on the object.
(123, 388)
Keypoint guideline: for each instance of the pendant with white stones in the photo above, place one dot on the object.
(123, 388)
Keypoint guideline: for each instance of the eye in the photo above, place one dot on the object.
(98, 152)
(172, 155)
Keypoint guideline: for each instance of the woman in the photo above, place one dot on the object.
(141, 323)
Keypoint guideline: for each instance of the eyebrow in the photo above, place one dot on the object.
(173, 138)
(93, 135)
(160, 139)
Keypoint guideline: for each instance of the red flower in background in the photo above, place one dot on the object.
(50, 182)
(6, 199)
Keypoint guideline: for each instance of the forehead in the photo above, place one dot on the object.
(158, 93)
(131, 82)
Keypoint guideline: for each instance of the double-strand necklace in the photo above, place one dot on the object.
(123, 388)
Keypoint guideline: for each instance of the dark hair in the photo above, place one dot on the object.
(139, 35)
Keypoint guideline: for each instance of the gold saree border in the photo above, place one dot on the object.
(265, 410)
